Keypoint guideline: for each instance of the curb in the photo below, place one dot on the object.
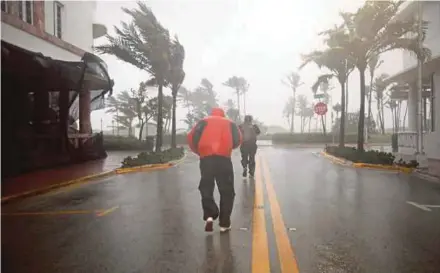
(150, 167)
(344, 162)
(10, 198)
(34, 192)
(337, 160)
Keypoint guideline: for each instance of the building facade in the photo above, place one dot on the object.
(429, 154)
(58, 29)
(50, 79)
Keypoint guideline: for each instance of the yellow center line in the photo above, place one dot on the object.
(260, 249)
(285, 252)
(105, 212)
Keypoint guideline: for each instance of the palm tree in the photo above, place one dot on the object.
(231, 110)
(373, 64)
(293, 81)
(123, 106)
(175, 78)
(184, 96)
(337, 108)
(144, 43)
(336, 59)
(245, 87)
(303, 104)
(238, 84)
(372, 31)
(379, 88)
(288, 112)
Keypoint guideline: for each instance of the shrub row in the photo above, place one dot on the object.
(146, 158)
(287, 138)
(119, 143)
(370, 157)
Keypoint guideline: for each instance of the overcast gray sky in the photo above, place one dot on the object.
(260, 40)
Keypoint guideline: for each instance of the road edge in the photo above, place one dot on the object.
(150, 167)
(91, 177)
(42, 190)
(345, 162)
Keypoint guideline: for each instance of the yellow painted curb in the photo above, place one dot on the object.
(383, 167)
(150, 167)
(337, 160)
(55, 186)
(344, 162)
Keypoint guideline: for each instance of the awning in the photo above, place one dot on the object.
(410, 75)
(36, 70)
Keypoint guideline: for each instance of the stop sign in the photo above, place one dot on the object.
(321, 108)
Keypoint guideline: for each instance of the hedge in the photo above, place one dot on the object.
(287, 138)
(120, 143)
(146, 158)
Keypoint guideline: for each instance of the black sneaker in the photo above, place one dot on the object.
(245, 172)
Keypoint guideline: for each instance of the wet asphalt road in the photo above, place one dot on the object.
(333, 218)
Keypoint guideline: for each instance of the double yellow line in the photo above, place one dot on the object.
(260, 247)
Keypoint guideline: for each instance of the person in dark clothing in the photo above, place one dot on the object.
(248, 148)
(213, 140)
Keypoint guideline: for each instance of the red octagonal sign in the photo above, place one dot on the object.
(321, 108)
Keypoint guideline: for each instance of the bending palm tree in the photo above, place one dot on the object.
(144, 43)
(335, 59)
(293, 81)
(373, 30)
(175, 78)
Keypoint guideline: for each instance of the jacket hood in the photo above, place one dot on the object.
(217, 112)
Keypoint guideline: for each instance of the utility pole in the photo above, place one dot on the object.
(419, 146)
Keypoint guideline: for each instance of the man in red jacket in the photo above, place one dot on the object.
(213, 139)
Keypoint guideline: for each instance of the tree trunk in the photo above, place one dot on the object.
(404, 115)
(369, 103)
(159, 129)
(342, 119)
(292, 124)
(173, 125)
(361, 125)
(141, 129)
(310, 121)
(238, 104)
(382, 110)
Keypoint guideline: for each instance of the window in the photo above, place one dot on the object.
(58, 26)
(5, 6)
(26, 11)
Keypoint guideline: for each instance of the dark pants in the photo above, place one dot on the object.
(248, 151)
(220, 170)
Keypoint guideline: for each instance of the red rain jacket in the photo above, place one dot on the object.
(214, 135)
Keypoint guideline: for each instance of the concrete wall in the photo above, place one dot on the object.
(77, 29)
(432, 143)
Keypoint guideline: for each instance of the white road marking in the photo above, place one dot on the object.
(423, 207)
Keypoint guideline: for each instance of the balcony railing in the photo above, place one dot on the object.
(407, 142)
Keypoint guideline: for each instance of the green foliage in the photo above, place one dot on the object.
(115, 143)
(370, 157)
(351, 124)
(354, 155)
(146, 158)
(287, 138)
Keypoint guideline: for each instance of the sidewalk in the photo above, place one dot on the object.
(43, 179)
(46, 178)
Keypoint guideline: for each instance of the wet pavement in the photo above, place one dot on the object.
(308, 214)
